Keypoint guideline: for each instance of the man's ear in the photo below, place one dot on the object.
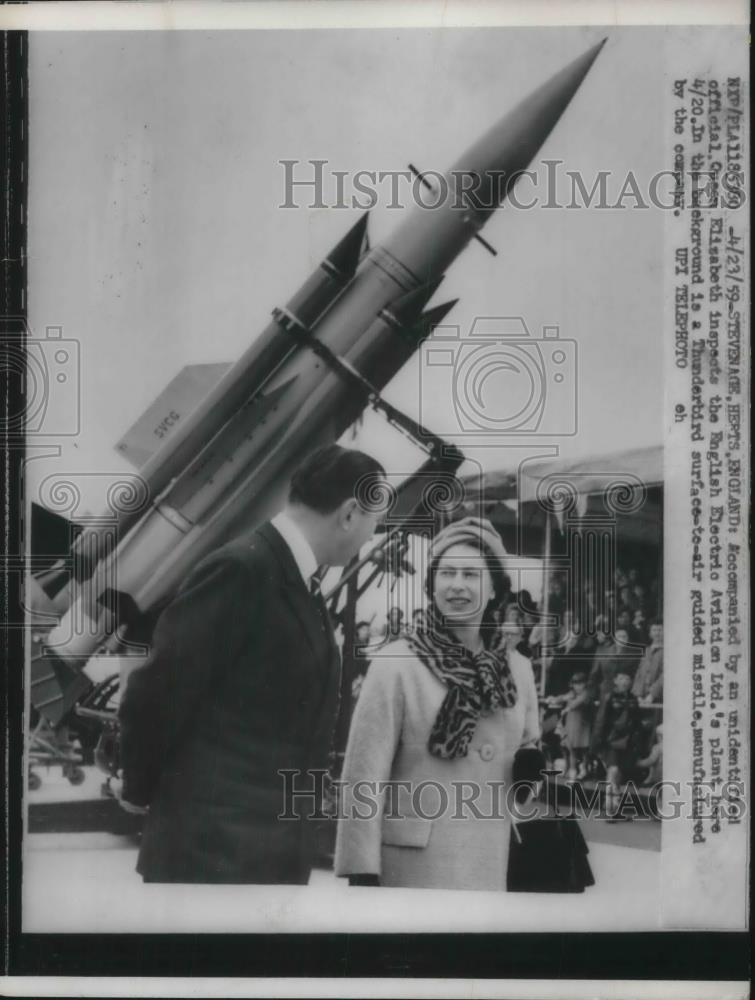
(346, 512)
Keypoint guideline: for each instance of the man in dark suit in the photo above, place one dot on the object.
(242, 684)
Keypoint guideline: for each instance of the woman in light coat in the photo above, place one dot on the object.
(427, 774)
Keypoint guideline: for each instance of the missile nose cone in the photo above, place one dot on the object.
(581, 65)
(344, 257)
(509, 147)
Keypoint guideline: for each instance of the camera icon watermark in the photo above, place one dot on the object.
(49, 368)
(421, 501)
(500, 380)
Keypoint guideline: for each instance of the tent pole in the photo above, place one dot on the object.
(545, 659)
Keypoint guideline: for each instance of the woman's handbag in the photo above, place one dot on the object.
(547, 854)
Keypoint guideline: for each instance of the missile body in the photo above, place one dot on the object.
(264, 355)
(261, 358)
(344, 336)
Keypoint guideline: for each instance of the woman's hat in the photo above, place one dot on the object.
(475, 531)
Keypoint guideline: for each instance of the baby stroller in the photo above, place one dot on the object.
(54, 690)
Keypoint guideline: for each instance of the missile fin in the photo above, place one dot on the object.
(41, 609)
(345, 256)
(433, 317)
(426, 323)
(406, 308)
(172, 406)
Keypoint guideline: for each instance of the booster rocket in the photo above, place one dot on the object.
(323, 357)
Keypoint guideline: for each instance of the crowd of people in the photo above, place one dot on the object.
(603, 685)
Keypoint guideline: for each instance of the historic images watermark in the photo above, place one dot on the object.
(315, 795)
(315, 184)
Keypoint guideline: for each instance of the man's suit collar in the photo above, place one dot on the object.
(296, 593)
(285, 556)
(300, 548)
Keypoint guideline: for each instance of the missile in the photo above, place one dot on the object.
(324, 356)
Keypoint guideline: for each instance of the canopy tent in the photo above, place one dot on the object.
(625, 486)
(582, 520)
(589, 475)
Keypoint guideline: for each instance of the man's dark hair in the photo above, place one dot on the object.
(331, 475)
(655, 621)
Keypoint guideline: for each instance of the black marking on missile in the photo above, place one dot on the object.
(470, 217)
(420, 177)
(485, 243)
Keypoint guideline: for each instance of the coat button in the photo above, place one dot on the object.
(487, 751)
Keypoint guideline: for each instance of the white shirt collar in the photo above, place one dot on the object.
(301, 550)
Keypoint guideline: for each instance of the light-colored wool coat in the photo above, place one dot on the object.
(447, 845)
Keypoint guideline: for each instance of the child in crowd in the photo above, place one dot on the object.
(617, 736)
(654, 764)
(576, 720)
(654, 760)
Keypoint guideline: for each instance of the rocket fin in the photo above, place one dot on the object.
(346, 255)
(269, 397)
(427, 322)
(52, 537)
(161, 418)
(408, 307)
(437, 314)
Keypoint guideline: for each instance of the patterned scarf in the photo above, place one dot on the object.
(476, 683)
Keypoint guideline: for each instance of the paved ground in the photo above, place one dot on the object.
(87, 882)
(82, 882)
(644, 835)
